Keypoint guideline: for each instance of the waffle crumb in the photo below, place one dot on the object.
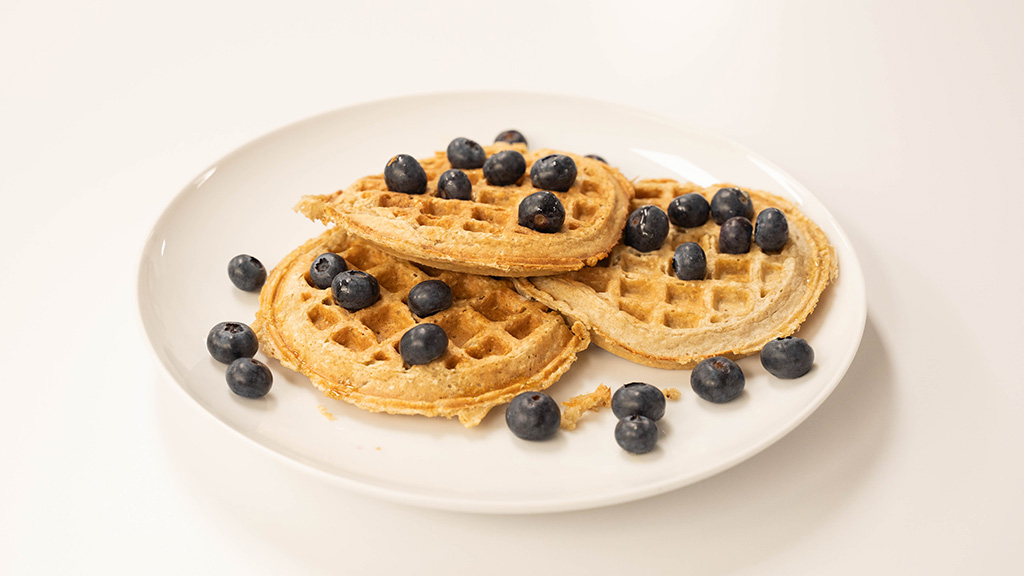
(574, 408)
(326, 414)
(672, 393)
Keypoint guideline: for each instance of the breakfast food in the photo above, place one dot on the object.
(499, 344)
(637, 306)
(419, 211)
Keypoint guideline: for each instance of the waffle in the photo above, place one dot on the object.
(635, 306)
(483, 235)
(500, 343)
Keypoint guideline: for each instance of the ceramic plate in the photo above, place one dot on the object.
(243, 204)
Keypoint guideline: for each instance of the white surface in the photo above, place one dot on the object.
(904, 118)
(183, 291)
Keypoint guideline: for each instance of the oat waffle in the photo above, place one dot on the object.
(500, 343)
(483, 235)
(635, 306)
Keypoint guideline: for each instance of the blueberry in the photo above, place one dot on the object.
(734, 237)
(249, 378)
(533, 416)
(553, 172)
(465, 153)
(404, 174)
(510, 136)
(717, 380)
(689, 262)
(228, 341)
(789, 357)
(423, 343)
(454, 184)
(542, 211)
(636, 434)
(772, 230)
(504, 168)
(638, 398)
(247, 273)
(730, 202)
(598, 158)
(354, 290)
(689, 210)
(430, 297)
(324, 268)
(646, 228)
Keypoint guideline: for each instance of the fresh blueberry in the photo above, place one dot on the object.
(430, 297)
(772, 230)
(533, 416)
(542, 211)
(730, 202)
(510, 136)
(553, 172)
(247, 273)
(638, 398)
(354, 290)
(636, 434)
(249, 378)
(324, 268)
(717, 380)
(689, 210)
(689, 262)
(465, 153)
(504, 168)
(454, 184)
(229, 341)
(405, 174)
(734, 237)
(789, 357)
(598, 158)
(423, 343)
(646, 228)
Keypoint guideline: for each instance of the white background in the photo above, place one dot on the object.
(904, 118)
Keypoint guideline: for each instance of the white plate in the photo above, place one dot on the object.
(243, 204)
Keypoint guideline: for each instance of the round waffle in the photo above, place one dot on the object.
(635, 306)
(500, 343)
(483, 235)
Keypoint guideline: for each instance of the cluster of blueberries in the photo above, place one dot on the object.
(234, 343)
(732, 209)
(541, 211)
(720, 380)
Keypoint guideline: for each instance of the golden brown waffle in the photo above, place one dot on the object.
(500, 343)
(635, 306)
(483, 235)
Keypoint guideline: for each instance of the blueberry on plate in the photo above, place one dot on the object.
(553, 172)
(247, 273)
(542, 211)
(405, 174)
(734, 237)
(636, 434)
(465, 153)
(638, 398)
(510, 136)
(429, 297)
(730, 202)
(229, 341)
(771, 231)
(717, 380)
(598, 158)
(249, 378)
(324, 268)
(789, 357)
(533, 416)
(689, 210)
(504, 168)
(454, 184)
(689, 262)
(354, 290)
(646, 228)
(422, 344)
